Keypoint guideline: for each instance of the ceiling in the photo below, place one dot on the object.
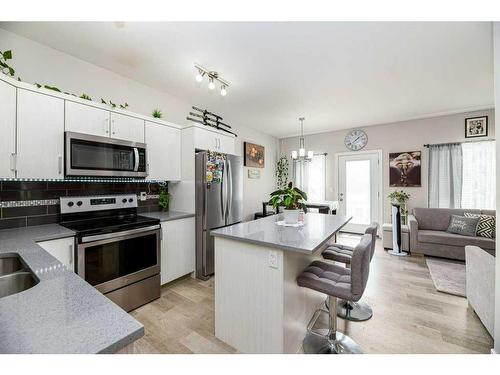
(337, 75)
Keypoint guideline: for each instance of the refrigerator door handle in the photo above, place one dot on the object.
(222, 195)
(229, 187)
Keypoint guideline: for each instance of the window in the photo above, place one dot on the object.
(311, 177)
(478, 175)
(462, 175)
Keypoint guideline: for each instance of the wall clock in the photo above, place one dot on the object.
(355, 140)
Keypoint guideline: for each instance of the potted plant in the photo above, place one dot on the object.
(164, 198)
(400, 197)
(291, 199)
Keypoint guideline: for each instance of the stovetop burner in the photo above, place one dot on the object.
(102, 214)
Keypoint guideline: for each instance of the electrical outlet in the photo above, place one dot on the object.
(143, 196)
(273, 259)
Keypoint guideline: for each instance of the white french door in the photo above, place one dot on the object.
(359, 177)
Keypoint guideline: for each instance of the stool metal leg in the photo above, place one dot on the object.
(329, 341)
(353, 311)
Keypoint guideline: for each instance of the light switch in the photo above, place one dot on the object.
(273, 259)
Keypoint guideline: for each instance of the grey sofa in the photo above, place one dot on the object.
(428, 233)
(480, 284)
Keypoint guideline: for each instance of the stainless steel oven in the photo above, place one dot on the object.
(90, 155)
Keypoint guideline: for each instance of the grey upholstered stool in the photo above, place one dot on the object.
(355, 311)
(336, 281)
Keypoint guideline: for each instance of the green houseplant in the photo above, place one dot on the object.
(282, 172)
(400, 197)
(292, 199)
(157, 113)
(164, 198)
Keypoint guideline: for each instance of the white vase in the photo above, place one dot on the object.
(291, 216)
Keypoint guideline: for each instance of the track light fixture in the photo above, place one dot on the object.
(212, 78)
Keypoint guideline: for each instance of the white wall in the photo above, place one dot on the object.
(496, 37)
(35, 62)
(394, 137)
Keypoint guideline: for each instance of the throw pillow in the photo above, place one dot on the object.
(485, 226)
(465, 226)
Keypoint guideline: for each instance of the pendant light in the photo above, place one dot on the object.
(302, 154)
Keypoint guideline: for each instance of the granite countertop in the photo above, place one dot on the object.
(316, 231)
(168, 215)
(62, 313)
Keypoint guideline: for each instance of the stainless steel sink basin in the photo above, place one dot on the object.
(16, 283)
(10, 264)
(15, 276)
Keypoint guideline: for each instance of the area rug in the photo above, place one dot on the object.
(448, 276)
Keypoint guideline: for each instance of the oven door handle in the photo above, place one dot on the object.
(136, 157)
(106, 236)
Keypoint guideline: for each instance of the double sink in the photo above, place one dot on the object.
(15, 276)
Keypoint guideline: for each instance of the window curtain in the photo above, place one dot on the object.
(445, 175)
(478, 186)
(311, 177)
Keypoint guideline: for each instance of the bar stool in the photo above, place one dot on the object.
(354, 311)
(336, 282)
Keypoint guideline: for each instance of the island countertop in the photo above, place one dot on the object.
(317, 230)
(62, 313)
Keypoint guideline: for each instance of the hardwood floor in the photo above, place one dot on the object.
(410, 316)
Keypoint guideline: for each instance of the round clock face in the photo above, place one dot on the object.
(355, 140)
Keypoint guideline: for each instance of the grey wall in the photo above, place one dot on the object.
(394, 137)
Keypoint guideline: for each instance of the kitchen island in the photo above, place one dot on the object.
(258, 306)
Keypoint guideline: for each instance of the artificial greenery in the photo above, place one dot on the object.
(86, 97)
(282, 172)
(157, 113)
(400, 197)
(290, 197)
(53, 88)
(164, 198)
(6, 68)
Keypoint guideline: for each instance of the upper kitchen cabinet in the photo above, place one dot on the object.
(7, 130)
(213, 140)
(40, 135)
(164, 152)
(86, 119)
(127, 128)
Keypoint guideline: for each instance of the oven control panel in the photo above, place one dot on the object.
(97, 203)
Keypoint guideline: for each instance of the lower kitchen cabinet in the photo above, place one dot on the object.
(177, 248)
(62, 249)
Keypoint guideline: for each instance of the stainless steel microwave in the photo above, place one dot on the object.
(91, 155)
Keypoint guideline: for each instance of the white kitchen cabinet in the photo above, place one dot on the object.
(7, 130)
(62, 249)
(86, 119)
(40, 135)
(206, 139)
(177, 248)
(127, 128)
(164, 152)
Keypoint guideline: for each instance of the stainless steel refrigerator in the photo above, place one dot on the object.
(218, 203)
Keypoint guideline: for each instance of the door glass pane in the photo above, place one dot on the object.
(116, 259)
(357, 194)
(95, 156)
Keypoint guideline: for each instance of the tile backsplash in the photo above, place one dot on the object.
(26, 203)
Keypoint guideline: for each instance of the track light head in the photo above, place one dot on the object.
(223, 90)
(211, 84)
(199, 76)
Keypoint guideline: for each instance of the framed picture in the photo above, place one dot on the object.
(253, 155)
(476, 127)
(405, 169)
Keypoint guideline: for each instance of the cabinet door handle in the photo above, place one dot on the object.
(106, 126)
(71, 257)
(59, 164)
(113, 126)
(13, 161)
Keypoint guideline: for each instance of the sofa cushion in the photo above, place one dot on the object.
(465, 226)
(437, 218)
(445, 238)
(488, 212)
(485, 226)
